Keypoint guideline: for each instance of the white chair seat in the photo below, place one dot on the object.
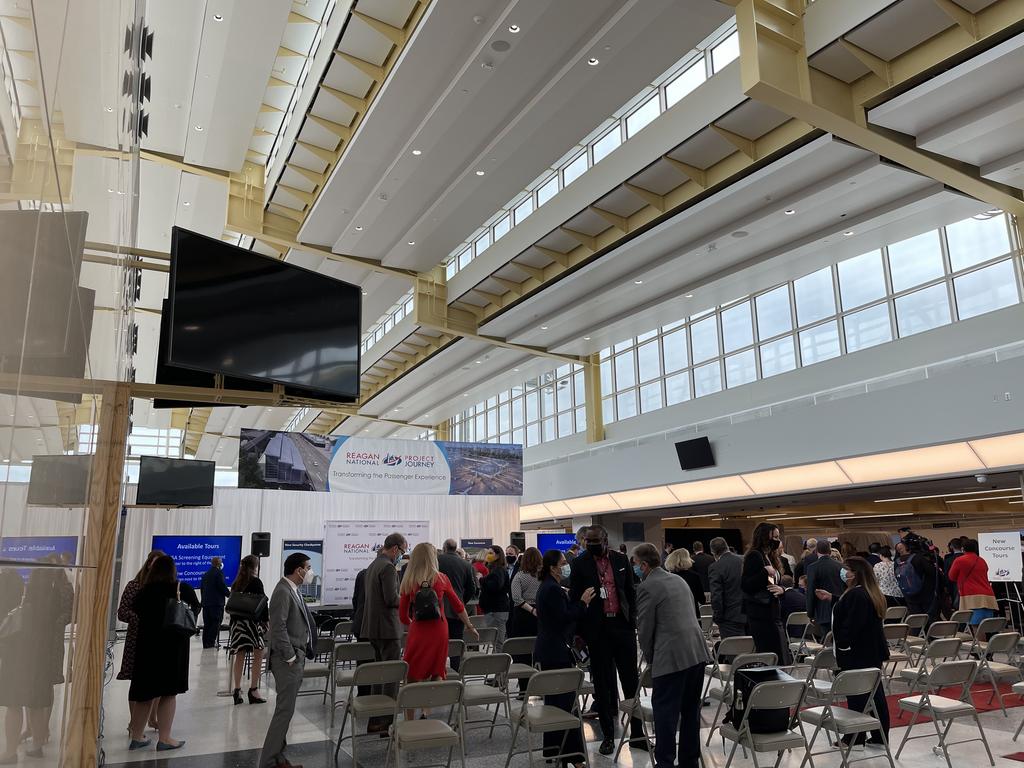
(1001, 670)
(939, 704)
(344, 678)
(718, 670)
(720, 694)
(424, 733)
(544, 717)
(1018, 688)
(315, 670)
(373, 705)
(767, 742)
(913, 674)
(841, 721)
(808, 647)
(897, 656)
(478, 694)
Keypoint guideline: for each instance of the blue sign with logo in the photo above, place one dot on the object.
(560, 541)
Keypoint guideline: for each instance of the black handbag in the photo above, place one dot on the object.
(247, 606)
(178, 617)
(760, 720)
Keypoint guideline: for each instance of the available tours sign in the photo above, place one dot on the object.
(1002, 553)
(306, 462)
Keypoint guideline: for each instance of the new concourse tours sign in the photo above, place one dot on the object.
(306, 462)
(1001, 551)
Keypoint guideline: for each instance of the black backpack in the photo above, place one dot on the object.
(425, 604)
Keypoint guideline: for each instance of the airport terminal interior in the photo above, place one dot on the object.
(531, 284)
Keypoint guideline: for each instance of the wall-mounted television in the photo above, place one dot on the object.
(241, 314)
(59, 481)
(175, 482)
(192, 555)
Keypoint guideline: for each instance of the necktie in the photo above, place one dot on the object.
(310, 632)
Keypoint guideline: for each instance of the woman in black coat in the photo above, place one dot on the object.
(762, 572)
(680, 563)
(860, 640)
(556, 618)
(161, 657)
(495, 595)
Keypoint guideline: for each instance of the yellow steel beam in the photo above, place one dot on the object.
(592, 399)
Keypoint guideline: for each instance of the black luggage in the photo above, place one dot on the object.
(760, 720)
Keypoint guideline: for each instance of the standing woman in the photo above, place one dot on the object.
(970, 574)
(759, 583)
(680, 563)
(495, 595)
(247, 635)
(556, 618)
(859, 639)
(426, 647)
(161, 657)
(885, 575)
(524, 594)
(126, 613)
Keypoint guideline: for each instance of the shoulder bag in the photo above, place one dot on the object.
(247, 606)
(178, 617)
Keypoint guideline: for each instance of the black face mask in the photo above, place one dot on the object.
(773, 544)
(595, 548)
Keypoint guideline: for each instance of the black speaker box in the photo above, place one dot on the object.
(517, 539)
(261, 543)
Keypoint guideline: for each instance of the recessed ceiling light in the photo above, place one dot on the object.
(689, 295)
(417, 152)
(186, 203)
(198, 128)
(789, 211)
(586, 338)
(514, 370)
(848, 233)
(513, 28)
(593, 61)
(110, 109)
(638, 282)
(478, 362)
(359, 229)
(465, 394)
(218, 17)
(411, 242)
(480, 173)
(365, 293)
(543, 327)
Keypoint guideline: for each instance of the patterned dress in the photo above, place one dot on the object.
(246, 634)
(126, 613)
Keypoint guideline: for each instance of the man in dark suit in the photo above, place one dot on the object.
(291, 638)
(214, 594)
(801, 567)
(824, 586)
(673, 645)
(793, 600)
(380, 625)
(608, 626)
(463, 578)
(726, 596)
(702, 562)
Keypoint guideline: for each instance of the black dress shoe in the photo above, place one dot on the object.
(607, 747)
(639, 742)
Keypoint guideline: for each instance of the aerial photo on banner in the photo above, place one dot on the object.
(297, 461)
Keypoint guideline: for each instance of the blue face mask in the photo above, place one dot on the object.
(638, 572)
(843, 573)
(566, 571)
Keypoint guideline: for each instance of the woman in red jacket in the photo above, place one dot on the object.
(970, 572)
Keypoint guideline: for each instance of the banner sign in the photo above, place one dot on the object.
(472, 546)
(192, 555)
(315, 549)
(559, 541)
(351, 545)
(36, 549)
(1002, 553)
(298, 461)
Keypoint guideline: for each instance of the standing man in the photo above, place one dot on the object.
(463, 578)
(824, 586)
(380, 625)
(214, 594)
(724, 578)
(608, 626)
(673, 644)
(806, 560)
(291, 637)
(702, 562)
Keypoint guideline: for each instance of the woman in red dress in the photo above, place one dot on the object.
(426, 647)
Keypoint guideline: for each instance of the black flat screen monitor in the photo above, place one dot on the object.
(175, 482)
(59, 481)
(695, 454)
(242, 314)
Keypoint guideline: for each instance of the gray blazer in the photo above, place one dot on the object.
(724, 578)
(380, 603)
(289, 630)
(461, 575)
(670, 636)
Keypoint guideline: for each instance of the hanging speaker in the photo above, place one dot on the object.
(261, 543)
(517, 539)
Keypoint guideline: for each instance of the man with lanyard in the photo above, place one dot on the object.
(609, 628)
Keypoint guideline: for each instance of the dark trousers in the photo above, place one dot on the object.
(770, 637)
(860, 703)
(676, 702)
(613, 648)
(456, 631)
(553, 739)
(385, 650)
(213, 615)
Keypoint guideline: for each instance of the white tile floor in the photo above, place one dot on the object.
(214, 727)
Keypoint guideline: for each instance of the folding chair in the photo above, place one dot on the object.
(544, 718)
(896, 637)
(346, 655)
(724, 694)
(1018, 688)
(484, 678)
(944, 710)
(456, 650)
(520, 646)
(985, 630)
(938, 630)
(316, 670)
(429, 733)
(478, 621)
(342, 631)
(936, 651)
(804, 646)
(841, 721)
(786, 695)
(895, 614)
(368, 705)
(998, 672)
(727, 649)
(818, 690)
(488, 636)
(916, 622)
(963, 625)
(635, 707)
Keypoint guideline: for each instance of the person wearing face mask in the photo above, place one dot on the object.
(824, 586)
(247, 635)
(760, 584)
(215, 592)
(556, 615)
(496, 595)
(609, 628)
(672, 643)
(292, 639)
(859, 638)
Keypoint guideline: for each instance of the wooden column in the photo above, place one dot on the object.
(592, 387)
(82, 720)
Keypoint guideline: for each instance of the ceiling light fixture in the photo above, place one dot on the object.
(593, 61)
(848, 233)
(218, 17)
(198, 128)
(359, 229)
(943, 495)
(411, 242)
(365, 293)
(689, 296)
(417, 152)
(186, 203)
(465, 394)
(513, 28)
(789, 211)
(638, 282)
(480, 173)
(586, 338)
(987, 498)
(478, 362)
(515, 370)
(110, 109)
(543, 327)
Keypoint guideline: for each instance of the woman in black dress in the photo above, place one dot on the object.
(556, 618)
(246, 635)
(759, 583)
(161, 656)
(860, 640)
(126, 613)
(680, 563)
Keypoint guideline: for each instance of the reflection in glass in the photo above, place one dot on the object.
(777, 357)
(868, 327)
(922, 310)
(819, 343)
(861, 279)
(740, 369)
(973, 241)
(773, 315)
(915, 261)
(985, 290)
(815, 299)
(737, 327)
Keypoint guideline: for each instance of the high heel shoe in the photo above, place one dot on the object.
(254, 699)
(237, 695)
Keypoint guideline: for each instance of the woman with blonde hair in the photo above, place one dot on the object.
(680, 563)
(426, 647)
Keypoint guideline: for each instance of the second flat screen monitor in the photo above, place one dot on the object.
(242, 314)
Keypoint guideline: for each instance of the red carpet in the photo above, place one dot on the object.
(980, 693)
(1018, 756)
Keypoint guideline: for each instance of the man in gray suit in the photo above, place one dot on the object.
(673, 644)
(726, 596)
(824, 586)
(380, 625)
(463, 578)
(291, 637)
